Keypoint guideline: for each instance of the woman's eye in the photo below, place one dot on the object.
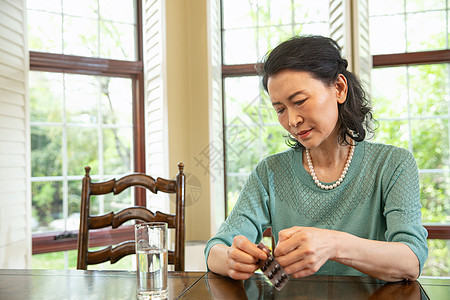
(280, 111)
(300, 102)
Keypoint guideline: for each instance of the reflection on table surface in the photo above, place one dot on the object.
(79, 284)
(213, 286)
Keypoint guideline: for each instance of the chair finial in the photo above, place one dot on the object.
(180, 167)
(88, 170)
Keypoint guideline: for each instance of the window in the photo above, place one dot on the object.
(86, 103)
(410, 95)
(410, 92)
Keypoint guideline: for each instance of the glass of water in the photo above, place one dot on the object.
(152, 260)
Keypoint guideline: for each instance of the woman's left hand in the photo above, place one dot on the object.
(301, 251)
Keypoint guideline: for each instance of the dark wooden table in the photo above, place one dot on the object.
(213, 286)
(77, 284)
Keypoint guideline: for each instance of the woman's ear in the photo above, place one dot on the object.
(341, 88)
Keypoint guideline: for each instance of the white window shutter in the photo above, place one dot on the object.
(216, 155)
(15, 186)
(362, 58)
(349, 27)
(156, 126)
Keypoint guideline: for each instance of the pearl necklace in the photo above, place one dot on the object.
(341, 178)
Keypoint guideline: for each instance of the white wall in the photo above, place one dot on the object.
(15, 201)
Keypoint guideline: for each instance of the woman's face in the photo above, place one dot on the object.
(306, 107)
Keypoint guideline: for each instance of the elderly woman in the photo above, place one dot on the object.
(337, 204)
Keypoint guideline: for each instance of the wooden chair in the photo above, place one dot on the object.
(115, 253)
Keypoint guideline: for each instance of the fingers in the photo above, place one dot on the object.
(243, 257)
(254, 253)
(302, 250)
(239, 275)
(286, 234)
(300, 267)
(289, 240)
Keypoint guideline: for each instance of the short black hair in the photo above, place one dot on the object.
(321, 57)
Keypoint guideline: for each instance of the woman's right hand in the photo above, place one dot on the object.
(242, 258)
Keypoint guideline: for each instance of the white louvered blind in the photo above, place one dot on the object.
(155, 98)
(339, 27)
(215, 117)
(349, 27)
(15, 203)
(362, 57)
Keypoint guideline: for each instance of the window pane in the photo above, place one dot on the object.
(240, 93)
(46, 94)
(270, 37)
(431, 143)
(117, 41)
(274, 137)
(438, 262)
(383, 7)
(239, 18)
(81, 95)
(116, 101)
(117, 150)
(421, 5)
(426, 31)
(435, 197)
(44, 31)
(74, 198)
(274, 12)
(240, 46)
(46, 151)
(47, 206)
(393, 133)
(431, 93)
(242, 155)
(81, 8)
(82, 149)
(389, 92)
(79, 38)
(48, 5)
(118, 10)
(387, 34)
(311, 11)
(235, 182)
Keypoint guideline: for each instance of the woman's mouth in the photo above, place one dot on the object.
(304, 134)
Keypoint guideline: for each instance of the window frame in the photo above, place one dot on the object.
(72, 64)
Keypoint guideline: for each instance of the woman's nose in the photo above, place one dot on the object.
(294, 119)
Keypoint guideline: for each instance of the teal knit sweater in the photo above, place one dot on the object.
(378, 200)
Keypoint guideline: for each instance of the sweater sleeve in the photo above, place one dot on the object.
(402, 206)
(249, 217)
